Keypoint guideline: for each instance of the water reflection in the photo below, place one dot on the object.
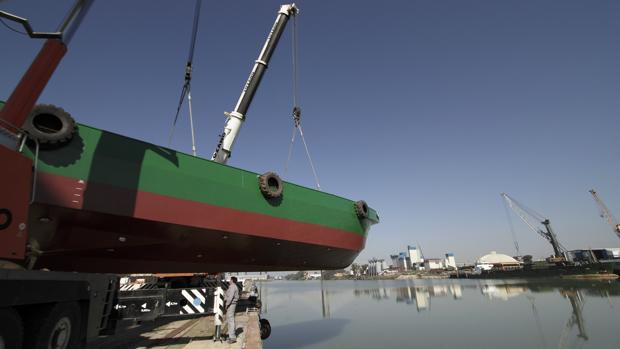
(421, 296)
(502, 292)
(576, 319)
(441, 313)
(324, 300)
(307, 333)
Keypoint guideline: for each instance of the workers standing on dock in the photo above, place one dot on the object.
(232, 296)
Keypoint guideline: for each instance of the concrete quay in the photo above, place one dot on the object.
(187, 333)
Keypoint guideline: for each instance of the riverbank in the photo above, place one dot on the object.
(399, 276)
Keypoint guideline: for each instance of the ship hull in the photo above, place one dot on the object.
(108, 203)
(92, 242)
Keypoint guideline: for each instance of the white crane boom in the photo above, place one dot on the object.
(235, 118)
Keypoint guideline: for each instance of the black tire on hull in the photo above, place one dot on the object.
(361, 209)
(270, 185)
(50, 125)
(11, 329)
(53, 326)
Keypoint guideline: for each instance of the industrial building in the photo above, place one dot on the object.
(413, 260)
(496, 260)
(449, 261)
(400, 261)
(433, 264)
(377, 266)
(415, 255)
(313, 275)
(594, 254)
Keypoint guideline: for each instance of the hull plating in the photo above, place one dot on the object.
(108, 203)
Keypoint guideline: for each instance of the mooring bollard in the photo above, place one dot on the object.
(218, 308)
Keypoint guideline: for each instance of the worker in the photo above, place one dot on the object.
(232, 296)
(253, 297)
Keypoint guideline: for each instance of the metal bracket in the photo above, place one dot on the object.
(28, 28)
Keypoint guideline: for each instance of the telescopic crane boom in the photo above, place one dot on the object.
(236, 117)
(605, 213)
(547, 233)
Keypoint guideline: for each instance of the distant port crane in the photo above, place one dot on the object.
(547, 233)
(605, 213)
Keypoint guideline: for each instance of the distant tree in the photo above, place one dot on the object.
(331, 274)
(355, 268)
(300, 275)
(364, 269)
(527, 259)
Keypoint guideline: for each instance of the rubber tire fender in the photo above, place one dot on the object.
(11, 329)
(361, 209)
(50, 125)
(6, 217)
(265, 328)
(270, 184)
(42, 321)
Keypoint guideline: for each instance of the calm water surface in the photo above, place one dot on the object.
(441, 314)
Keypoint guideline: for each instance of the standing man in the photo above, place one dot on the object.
(232, 296)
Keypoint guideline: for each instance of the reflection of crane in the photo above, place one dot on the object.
(605, 214)
(537, 319)
(325, 300)
(576, 302)
(524, 212)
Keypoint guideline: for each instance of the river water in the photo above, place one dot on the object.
(441, 314)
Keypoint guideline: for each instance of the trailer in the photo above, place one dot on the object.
(48, 309)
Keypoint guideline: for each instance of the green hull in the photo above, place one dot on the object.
(109, 203)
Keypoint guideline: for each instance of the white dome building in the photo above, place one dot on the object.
(496, 260)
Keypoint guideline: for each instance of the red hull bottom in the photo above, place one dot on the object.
(82, 241)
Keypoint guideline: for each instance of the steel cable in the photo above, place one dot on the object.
(186, 90)
(297, 109)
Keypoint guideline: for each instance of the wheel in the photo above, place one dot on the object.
(265, 329)
(56, 326)
(270, 185)
(361, 209)
(50, 125)
(11, 329)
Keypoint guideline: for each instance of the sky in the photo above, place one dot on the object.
(427, 110)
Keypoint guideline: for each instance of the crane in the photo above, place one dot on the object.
(548, 233)
(604, 212)
(236, 117)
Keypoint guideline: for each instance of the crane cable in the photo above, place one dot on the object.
(512, 228)
(533, 214)
(186, 90)
(297, 110)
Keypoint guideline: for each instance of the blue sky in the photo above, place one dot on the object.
(425, 109)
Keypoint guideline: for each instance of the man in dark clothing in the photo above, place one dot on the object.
(232, 296)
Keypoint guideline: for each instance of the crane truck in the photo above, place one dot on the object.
(65, 309)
